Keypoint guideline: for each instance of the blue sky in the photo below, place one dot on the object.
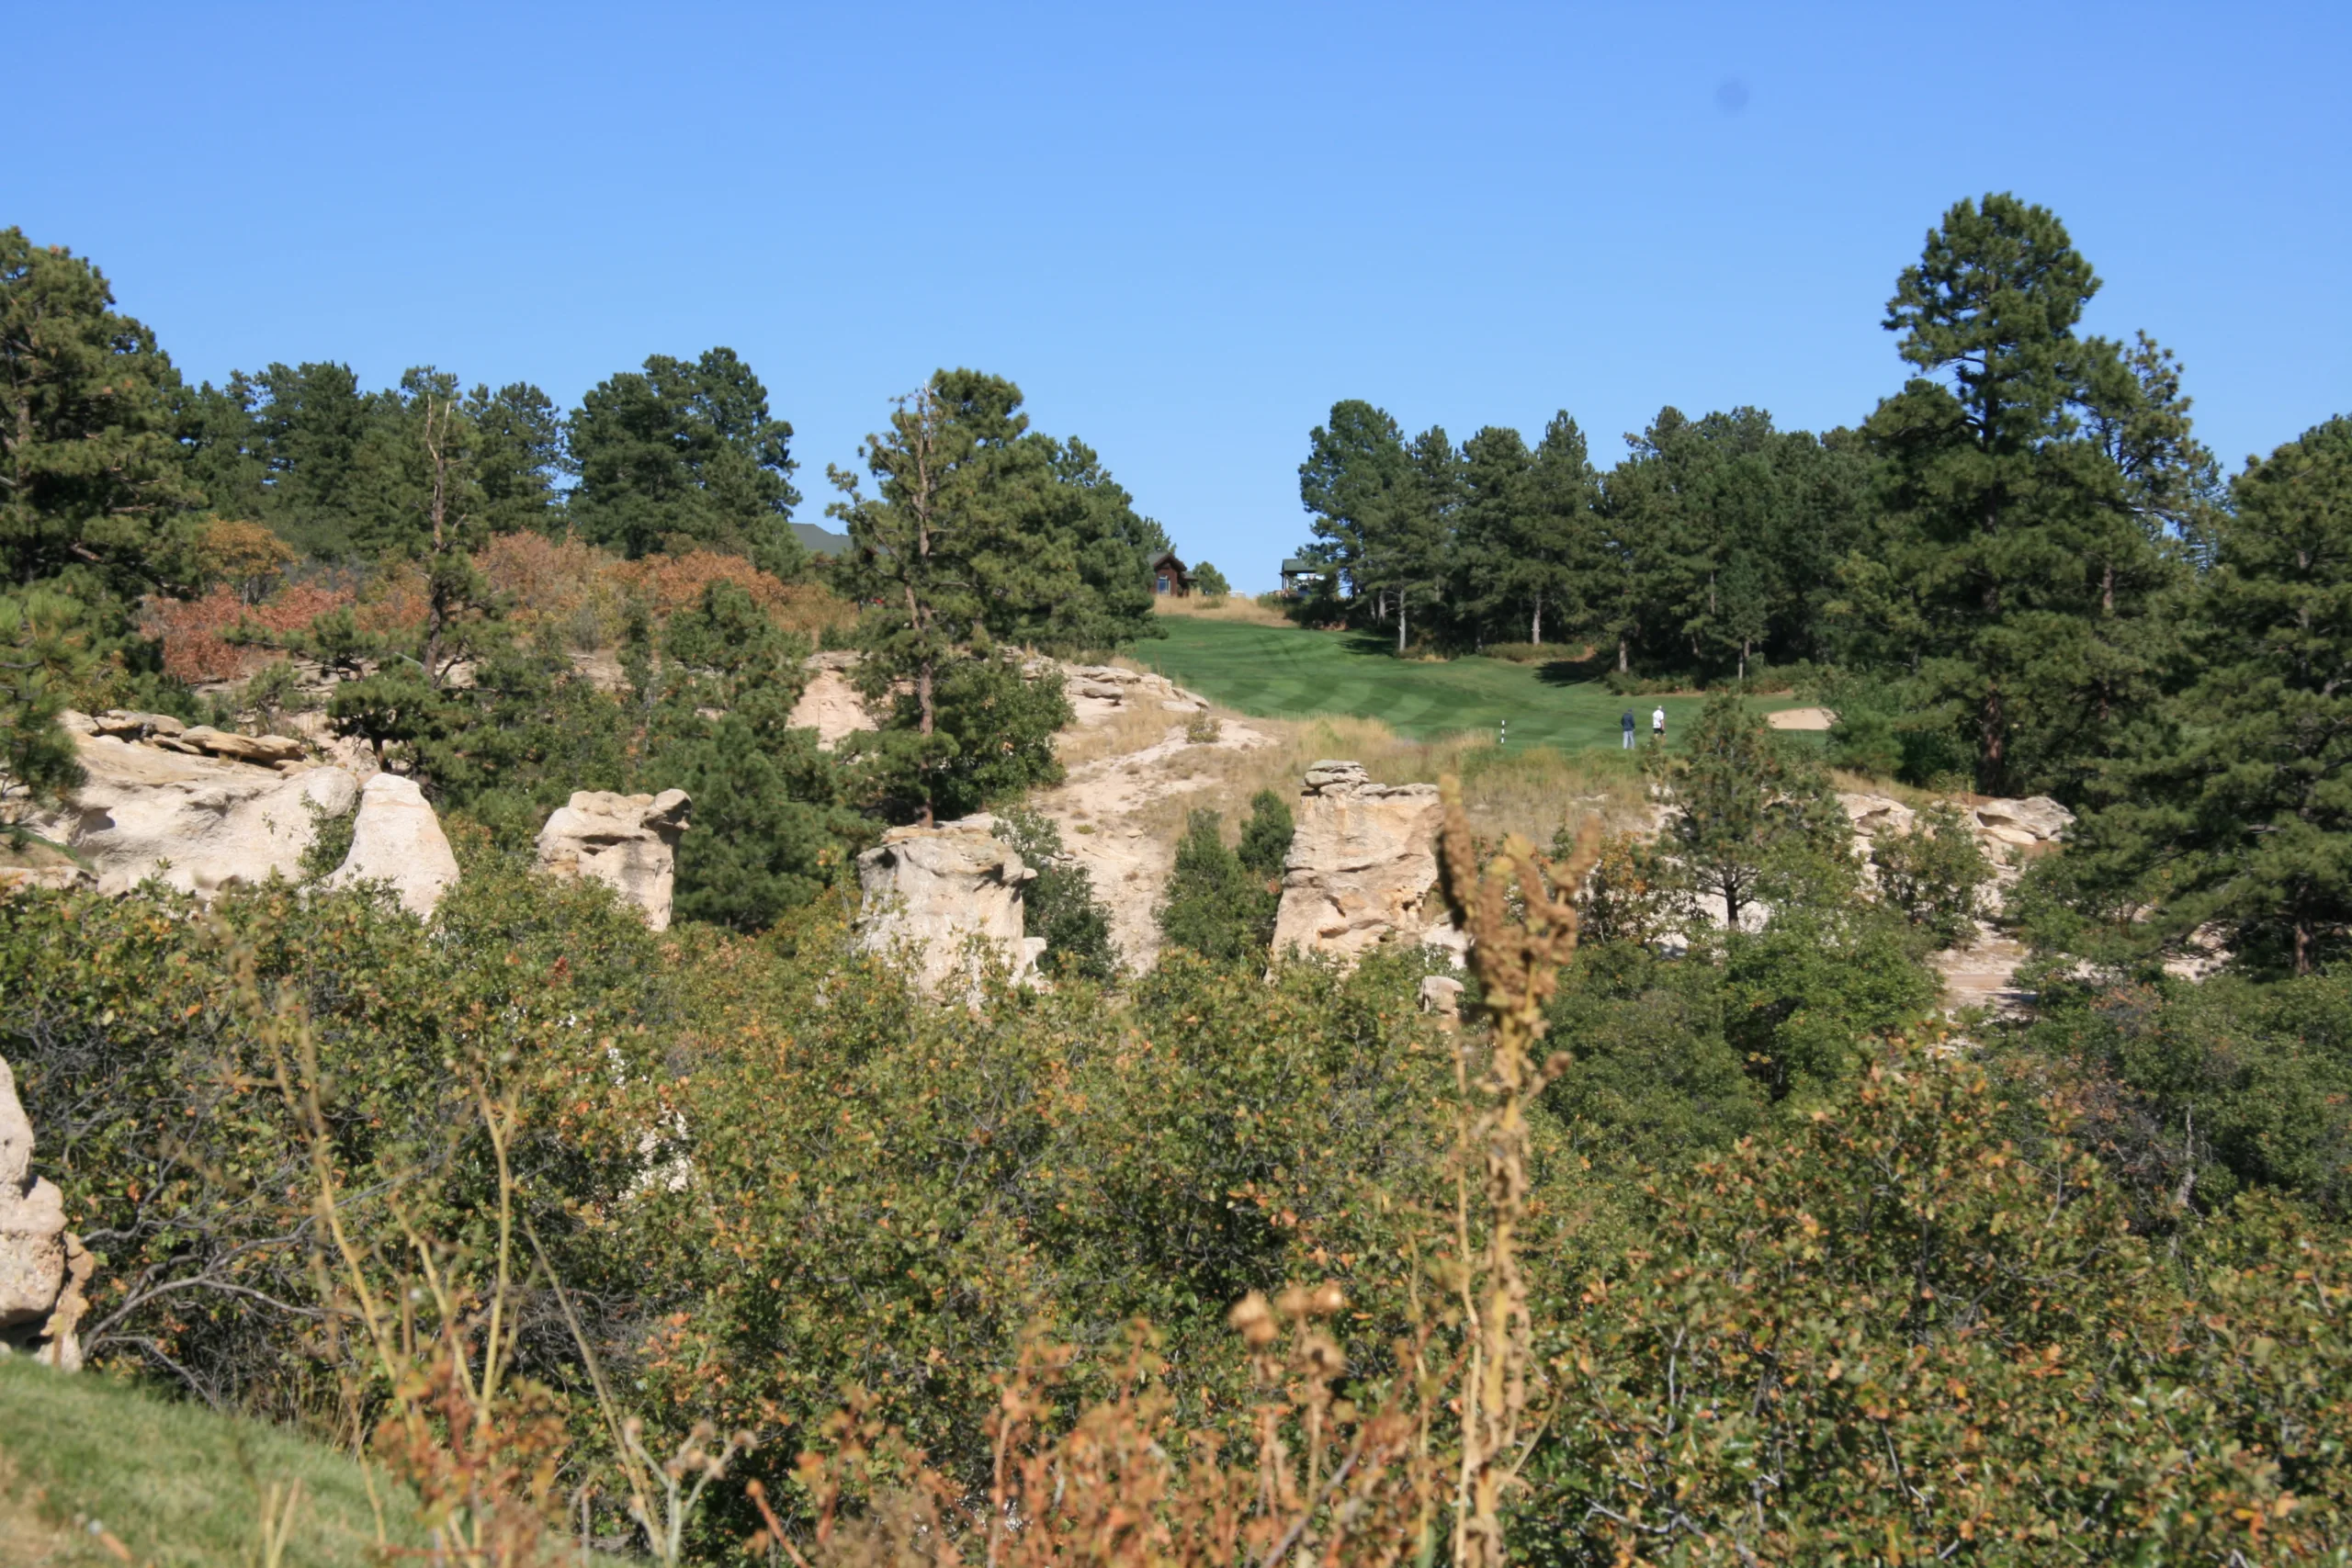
(1187, 230)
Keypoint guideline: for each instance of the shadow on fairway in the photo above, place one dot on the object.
(1574, 671)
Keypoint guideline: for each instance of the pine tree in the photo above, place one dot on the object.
(2238, 810)
(1752, 821)
(2022, 562)
(1352, 464)
(1217, 907)
(688, 450)
(90, 477)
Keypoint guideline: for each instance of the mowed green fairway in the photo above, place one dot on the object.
(1289, 673)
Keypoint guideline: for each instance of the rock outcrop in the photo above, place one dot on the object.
(159, 804)
(42, 1269)
(2017, 823)
(629, 842)
(1442, 995)
(2038, 819)
(830, 705)
(936, 892)
(397, 838)
(1098, 691)
(1363, 863)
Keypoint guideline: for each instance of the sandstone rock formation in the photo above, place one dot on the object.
(629, 842)
(937, 891)
(830, 705)
(1097, 691)
(1442, 996)
(2038, 819)
(1363, 863)
(42, 1269)
(162, 806)
(397, 838)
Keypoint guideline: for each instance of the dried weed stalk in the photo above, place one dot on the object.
(1521, 913)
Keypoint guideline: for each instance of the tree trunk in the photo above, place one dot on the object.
(1621, 653)
(1400, 625)
(1535, 632)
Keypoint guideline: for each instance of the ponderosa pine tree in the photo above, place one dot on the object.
(1754, 818)
(686, 449)
(1351, 466)
(1487, 570)
(1409, 537)
(90, 477)
(2237, 809)
(935, 550)
(2023, 565)
(1557, 545)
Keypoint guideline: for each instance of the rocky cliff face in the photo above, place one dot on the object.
(629, 842)
(42, 1269)
(198, 809)
(1363, 865)
(937, 891)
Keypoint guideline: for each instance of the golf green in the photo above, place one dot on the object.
(1290, 673)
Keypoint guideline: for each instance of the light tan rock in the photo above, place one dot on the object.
(1875, 814)
(948, 895)
(132, 724)
(1363, 863)
(2038, 817)
(629, 842)
(265, 749)
(397, 838)
(832, 707)
(1442, 995)
(35, 1250)
(197, 822)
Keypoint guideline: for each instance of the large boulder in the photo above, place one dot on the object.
(629, 842)
(1363, 863)
(2037, 820)
(397, 838)
(937, 891)
(200, 822)
(42, 1269)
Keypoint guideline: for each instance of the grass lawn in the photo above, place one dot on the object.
(87, 1460)
(1290, 673)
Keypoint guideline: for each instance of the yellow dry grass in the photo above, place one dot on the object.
(1533, 792)
(1234, 607)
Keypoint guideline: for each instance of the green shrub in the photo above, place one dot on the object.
(1220, 904)
(1060, 903)
(1931, 871)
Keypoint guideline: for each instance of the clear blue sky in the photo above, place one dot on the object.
(1187, 229)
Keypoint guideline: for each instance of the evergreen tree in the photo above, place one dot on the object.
(1752, 821)
(1352, 467)
(687, 452)
(90, 478)
(978, 532)
(1264, 849)
(2238, 808)
(1492, 581)
(1216, 906)
(1557, 548)
(2021, 560)
(1059, 904)
(1409, 537)
(41, 655)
